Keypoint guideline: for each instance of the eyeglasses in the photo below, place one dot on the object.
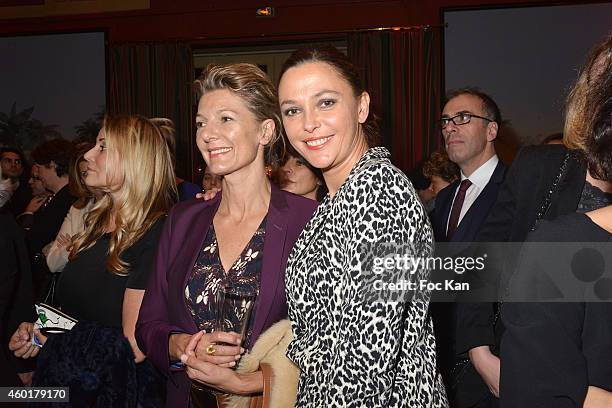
(461, 118)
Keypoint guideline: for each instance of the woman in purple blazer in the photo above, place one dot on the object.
(241, 238)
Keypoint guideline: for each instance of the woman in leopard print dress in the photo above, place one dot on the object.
(354, 347)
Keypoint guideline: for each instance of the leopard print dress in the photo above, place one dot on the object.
(353, 350)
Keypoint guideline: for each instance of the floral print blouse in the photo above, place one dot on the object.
(208, 275)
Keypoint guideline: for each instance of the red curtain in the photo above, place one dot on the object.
(401, 70)
(155, 80)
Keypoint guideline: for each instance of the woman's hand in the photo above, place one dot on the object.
(216, 376)
(208, 194)
(224, 355)
(21, 341)
(488, 366)
(63, 241)
(597, 398)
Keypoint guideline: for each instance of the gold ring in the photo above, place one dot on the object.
(211, 350)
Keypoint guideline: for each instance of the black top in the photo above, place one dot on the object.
(552, 351)
(527, 183)
(87, 291)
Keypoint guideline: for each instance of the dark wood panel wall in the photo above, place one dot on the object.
(220, 21)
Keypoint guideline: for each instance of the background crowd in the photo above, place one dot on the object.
(297, 194)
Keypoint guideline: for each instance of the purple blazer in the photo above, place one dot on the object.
(164, 310)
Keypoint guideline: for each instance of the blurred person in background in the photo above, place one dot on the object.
(441, 172)
(210, 181)
(53, 161)
(299, 177)
(57, 252)
(14, 168)
(15, 290)
(186, 190)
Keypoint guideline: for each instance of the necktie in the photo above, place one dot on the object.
(456, 210)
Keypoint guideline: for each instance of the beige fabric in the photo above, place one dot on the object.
(57, 257)
(271, 348)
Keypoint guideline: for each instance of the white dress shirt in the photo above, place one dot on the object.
(480, 178)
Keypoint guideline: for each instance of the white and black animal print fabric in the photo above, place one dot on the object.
(354, 351)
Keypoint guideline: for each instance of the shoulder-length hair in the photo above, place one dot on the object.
(255, 89)
(138, 156)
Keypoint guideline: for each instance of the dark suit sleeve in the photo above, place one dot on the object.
(16, 304)
(439, 216)
(153, 328)
(48, 221)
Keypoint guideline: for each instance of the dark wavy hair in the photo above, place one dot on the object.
(589, 93)
(438, 164)
(58, 151)
(346, 69)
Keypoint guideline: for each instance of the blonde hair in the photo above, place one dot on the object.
(585, 97)
(253, 86)
(168, 131)
(139, 156)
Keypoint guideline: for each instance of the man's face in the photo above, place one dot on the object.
(465, 143)
(47, 175)
(11, 165)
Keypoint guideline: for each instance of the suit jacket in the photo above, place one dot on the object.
(474, 218)
(444, 314)
(20, 199)
(16, 304)
(164, 310)
(49, 219)
(47, 223)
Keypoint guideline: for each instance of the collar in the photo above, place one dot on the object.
(371, 155)
(480, 178)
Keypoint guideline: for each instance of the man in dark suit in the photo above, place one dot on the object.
(16, 303)
(470, 122)
(53, 158)
(13, 165)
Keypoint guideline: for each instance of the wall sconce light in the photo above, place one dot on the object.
(265, 12)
